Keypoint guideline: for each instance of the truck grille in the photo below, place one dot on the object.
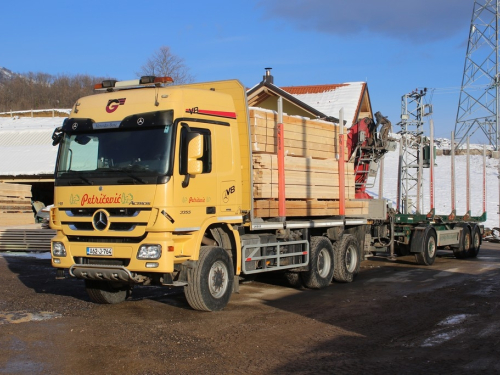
(106, 239)
(121, 219)
(113, 212)
(102, 262)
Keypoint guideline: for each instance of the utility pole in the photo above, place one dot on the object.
(479, 95)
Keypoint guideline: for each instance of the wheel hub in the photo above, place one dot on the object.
(432, 247)
(350, 259)
(324, 262)
(217, 279)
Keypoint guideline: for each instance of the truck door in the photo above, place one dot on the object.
(228, 191)
(195, 193)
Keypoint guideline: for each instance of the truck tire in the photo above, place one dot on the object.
(462, 250)
(210, 283)
(347, 260)
(475, 241)
(107, 292)
(428, 256)
(321, 261)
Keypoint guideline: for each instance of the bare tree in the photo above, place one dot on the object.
(163, 63)
(44, 91)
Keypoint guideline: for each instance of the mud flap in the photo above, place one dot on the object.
(417, 238)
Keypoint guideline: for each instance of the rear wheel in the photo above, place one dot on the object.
(347, 259)
(475, 241)
(462, 250)
(428, 256)
(320, 271)
(211, 282)
(107, 292)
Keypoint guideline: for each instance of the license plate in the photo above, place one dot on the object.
(106, 251)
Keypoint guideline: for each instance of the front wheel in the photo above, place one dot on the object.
(211, 282)
(347, 259)
(107, 292)
(320, 272)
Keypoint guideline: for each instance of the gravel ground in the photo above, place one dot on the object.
(395, 318)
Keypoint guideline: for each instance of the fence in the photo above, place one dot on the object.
(34, 112)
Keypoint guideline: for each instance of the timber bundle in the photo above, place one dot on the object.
(15, 204)
(311, 167)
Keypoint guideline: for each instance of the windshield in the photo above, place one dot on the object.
(118, 152)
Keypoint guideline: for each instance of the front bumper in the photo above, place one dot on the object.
(123, 265)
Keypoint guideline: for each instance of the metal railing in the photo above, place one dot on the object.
(31, 112)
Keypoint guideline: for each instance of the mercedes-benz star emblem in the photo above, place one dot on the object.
(100, 220)
(140, 121)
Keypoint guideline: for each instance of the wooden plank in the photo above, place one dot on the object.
(17, 207)
(256, 147)
(8, 200)
(270, 161)
(261, 176)
(14, 220)
(300, 192)
(14, 190)
(300, 143)
(298, 133)
(26, 239)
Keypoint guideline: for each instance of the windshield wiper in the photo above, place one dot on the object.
(132, 177)
(81, 178)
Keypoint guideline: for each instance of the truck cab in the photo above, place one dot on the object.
(148, 174)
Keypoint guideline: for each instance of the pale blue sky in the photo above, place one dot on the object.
(396, 46)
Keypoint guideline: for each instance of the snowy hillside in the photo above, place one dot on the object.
(5, 74)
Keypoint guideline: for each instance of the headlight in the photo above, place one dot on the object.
(58, 249)
(149, 252)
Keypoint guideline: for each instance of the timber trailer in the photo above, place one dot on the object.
(156, 184)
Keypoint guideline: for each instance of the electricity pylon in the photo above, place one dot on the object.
(479, 96)
(411, 151)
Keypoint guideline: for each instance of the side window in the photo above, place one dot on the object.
(207, 149)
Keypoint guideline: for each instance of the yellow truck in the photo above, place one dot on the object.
(155, 184)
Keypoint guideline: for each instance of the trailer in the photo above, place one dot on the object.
(158, 184)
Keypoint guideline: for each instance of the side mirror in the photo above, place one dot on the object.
(195, 152)
(57, 136)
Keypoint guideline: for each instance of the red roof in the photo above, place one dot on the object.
(315, 89)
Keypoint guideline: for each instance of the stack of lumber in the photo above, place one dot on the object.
(311, 167)
(15, 204)
(25, 239)
(302, 136)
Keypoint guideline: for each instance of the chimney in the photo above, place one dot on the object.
(268, 77)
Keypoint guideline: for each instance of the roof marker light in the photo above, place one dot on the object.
(106, 84)
(147, 80)
(109, 85)
(163, 79)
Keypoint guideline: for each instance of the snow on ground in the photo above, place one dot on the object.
(31, 254)
(26, 145)
(442, 173)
